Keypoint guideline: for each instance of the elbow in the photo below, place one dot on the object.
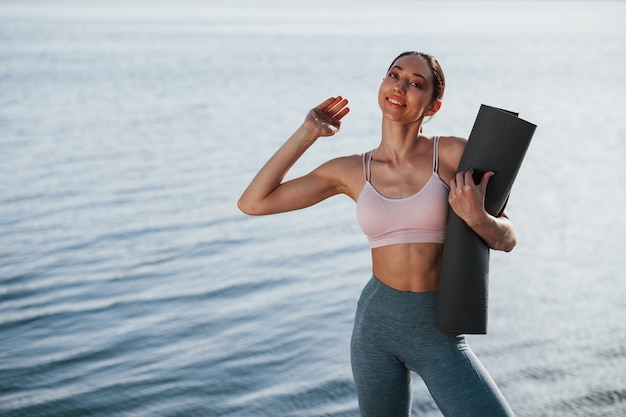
(508, 239)
(249, 208)
(245, 207)
(510, 246)
(506, 246)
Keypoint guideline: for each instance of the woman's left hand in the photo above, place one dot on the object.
(467, 199)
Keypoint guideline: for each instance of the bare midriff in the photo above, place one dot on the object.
(410, 267)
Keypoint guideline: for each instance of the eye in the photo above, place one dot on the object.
(416, 84)
(392, 75)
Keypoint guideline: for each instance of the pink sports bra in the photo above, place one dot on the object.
(420, 218)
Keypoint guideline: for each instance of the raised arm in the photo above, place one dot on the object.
(268, 194)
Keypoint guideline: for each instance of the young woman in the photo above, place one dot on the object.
(403, 190)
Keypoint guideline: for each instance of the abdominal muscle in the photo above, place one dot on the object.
(410, 267)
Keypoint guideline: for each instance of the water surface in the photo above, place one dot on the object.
(130, 285)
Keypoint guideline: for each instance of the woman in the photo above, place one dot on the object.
(403, 190)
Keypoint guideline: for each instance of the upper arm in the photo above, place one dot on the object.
(450, 151)
(324, 181)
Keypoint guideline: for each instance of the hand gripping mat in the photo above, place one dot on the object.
(498, 143)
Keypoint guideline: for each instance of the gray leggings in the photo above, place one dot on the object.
(394, 334)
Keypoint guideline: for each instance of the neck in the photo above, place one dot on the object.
(398, 139)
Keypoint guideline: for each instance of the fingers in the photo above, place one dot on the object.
(334, 107)
(467, 177)
(341, 113)
(485, 180)
(465, 180)
(327, 103)
(459, 181)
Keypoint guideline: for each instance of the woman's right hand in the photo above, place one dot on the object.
(326, 118)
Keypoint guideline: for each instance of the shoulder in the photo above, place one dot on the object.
(345, 172)
(342, 164)
(452, 143)
(451, 149)
(343, 169)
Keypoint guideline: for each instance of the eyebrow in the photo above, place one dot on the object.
(415, 73)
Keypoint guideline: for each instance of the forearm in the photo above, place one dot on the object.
(497, 232)
(266, 193)
(273, 172)
(467, 199)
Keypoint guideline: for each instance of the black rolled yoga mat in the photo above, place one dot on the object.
(498, 142)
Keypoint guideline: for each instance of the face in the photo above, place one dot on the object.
(405, 94)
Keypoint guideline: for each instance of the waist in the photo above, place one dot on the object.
(395, 301)
(413, 267)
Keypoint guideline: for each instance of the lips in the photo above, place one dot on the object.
(396, 101)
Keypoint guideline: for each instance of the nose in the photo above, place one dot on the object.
(400, 84)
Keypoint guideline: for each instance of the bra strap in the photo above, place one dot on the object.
(368, 172)
(436, 154)
(364, 166)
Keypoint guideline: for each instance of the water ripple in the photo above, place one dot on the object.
(130, 285)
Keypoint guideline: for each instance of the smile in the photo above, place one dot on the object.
(396, 102)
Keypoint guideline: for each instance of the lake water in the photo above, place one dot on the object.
(130, 285)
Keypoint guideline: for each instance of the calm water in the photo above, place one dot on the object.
(131, 286)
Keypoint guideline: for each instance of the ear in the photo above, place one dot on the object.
(434, 108)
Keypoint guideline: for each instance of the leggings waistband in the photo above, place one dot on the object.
(379, 298)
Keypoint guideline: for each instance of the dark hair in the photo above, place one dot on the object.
(439, 83)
